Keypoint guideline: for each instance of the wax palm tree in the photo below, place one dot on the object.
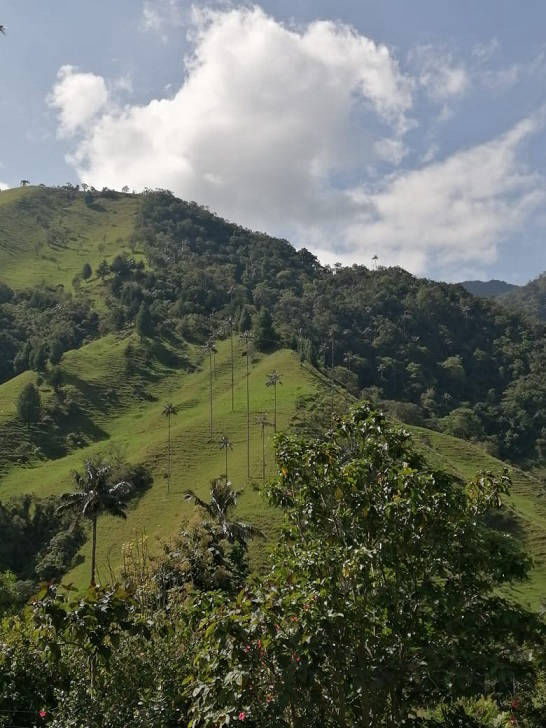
(263, 422)
(246, 338)
(94, 496)
(229, 324)
(169, 411)
(272, 380)
(223, 500)
(226, 445)
(210, 349)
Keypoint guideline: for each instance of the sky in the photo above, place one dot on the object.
(414, 131)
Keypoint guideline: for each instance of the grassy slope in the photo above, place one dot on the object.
(529, 508)
(137, 426)
(44, 238)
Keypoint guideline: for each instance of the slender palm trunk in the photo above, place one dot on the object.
(247, 418)
(232, 372)
(169, 458)
(263, 453)
(332, 373)
(275, 409)
(94, 551)
(210, 372)
(226, 465)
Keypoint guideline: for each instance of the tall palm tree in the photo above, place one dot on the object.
(229, 324)
(246, 338)
(226, 445)
(272, 380)
(210, 349)
(169, 410)
(94, 496)
(263, 422)
(223, 500)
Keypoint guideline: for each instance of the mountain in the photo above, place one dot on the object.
(78, 268)
(530, 298)
(488, 289)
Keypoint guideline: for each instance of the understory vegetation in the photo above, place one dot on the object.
(380, 607)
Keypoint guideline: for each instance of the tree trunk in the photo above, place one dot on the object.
(210, 370)
(232, 377)
(275, 410)
(94, 552)
(247, 418)
(226, 465)
(263, 453)
(169, 460)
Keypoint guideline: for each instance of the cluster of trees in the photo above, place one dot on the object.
(382, 607)
(38, 325)
(41, 537)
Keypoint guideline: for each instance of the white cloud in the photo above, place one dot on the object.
(264, 116)
(390, 150)
(450, 212)
(158, 16)
(78, 97)
(484, 51)
(276, 127)
(438, 73)
(4, 186)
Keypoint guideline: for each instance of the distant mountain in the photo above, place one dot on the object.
(530, 298)
(488, 289)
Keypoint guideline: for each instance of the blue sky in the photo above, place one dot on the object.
(410, 130)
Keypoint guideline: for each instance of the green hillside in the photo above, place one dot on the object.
(136, 427)
(47, 235)
(526, 505)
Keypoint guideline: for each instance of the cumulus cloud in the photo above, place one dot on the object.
(449, 212)
(438, 73)
(264, 116)
(275, 127)
(4, 186)
(78, 97)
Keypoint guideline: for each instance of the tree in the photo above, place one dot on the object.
(125, 189)
(29, 405)
(87, 272)
(384, 595)
(24, 182)
(263, 422)
(143, 322)
(103, 270)
(223, 500)
(95, 495)
(245, 320)
(226, 445)
(229, 324)
(210, 349)
(169, 411)
(265, 335)
(273, 380)
(246, 338)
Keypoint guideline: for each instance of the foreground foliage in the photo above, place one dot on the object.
(381, 608)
